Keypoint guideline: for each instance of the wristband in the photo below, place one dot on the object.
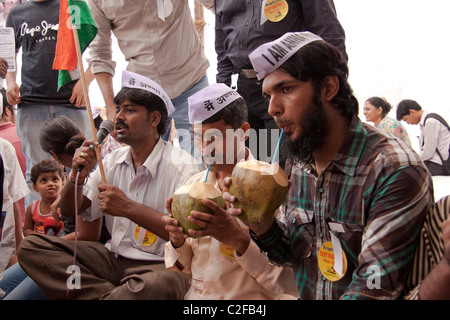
(72, 179)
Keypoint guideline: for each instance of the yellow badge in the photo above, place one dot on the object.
(326, 262)
(276, 10)
(227, 251)
(144, 236)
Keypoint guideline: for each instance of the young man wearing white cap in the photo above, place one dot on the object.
(222, 260)
(139, 178)
(358, 198)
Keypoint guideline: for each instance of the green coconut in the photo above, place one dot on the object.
(260, 188)
(188, 198)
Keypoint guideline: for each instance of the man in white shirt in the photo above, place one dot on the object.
(434, 135)
(139, 178)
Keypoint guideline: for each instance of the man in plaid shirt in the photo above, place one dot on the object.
(355, 192)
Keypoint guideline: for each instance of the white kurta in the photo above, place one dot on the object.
(14, 189)
(217, 272)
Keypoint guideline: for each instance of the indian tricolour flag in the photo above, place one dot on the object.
(76, 13)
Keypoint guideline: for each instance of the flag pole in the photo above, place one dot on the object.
(88, 103)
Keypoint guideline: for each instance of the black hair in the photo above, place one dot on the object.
(404, 106)
(317, 60)
(45, 166)
(234, 114)
(60, 135)
(147, 99)
(382, 103)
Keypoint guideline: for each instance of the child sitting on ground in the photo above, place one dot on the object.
(42, 216)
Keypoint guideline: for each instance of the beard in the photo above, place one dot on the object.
(314, 125)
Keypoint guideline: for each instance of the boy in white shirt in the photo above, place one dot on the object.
(222, 261)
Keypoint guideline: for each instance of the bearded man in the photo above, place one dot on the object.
(358, 197)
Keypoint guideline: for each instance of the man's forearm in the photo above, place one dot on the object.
(18, 224)
(105, 83)
(10, 78)
(148, 218)
(436, 286)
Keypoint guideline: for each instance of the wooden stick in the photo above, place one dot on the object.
(88, 104)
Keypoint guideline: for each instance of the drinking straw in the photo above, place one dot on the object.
(278, 146)
(207, 172)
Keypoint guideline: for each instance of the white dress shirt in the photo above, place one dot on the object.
(166, 169)
(433, 135)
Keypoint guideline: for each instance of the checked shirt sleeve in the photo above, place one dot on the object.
(399, 204)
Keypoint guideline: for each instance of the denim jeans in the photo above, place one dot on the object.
(29, 120)
(181, 118)
(16, 284)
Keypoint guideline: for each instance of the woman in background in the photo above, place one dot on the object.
(376, 110)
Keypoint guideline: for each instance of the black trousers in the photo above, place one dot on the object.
(435, 168)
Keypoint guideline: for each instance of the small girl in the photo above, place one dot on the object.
(42, 216)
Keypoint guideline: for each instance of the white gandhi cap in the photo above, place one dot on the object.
(210, 100)
(137, 81)
(271, 55)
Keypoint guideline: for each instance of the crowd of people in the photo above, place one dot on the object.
(360, 220)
